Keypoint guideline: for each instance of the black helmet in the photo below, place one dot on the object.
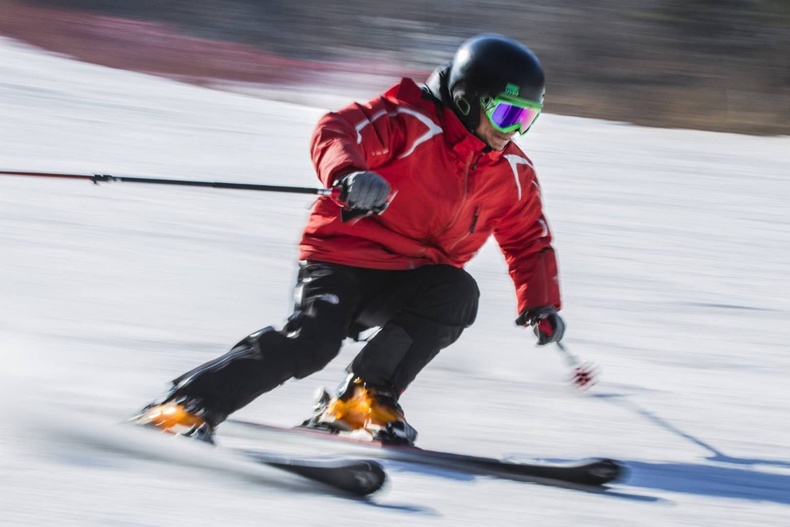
(492, 65)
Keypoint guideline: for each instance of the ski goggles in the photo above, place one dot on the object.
(508, 114)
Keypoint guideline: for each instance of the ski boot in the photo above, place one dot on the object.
(359, 407)
(179, 416)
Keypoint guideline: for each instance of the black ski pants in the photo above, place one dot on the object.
(420, 312)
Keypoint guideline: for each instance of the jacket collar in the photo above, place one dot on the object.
(458, 138)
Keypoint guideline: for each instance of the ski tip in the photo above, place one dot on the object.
(360, 478)
(605, 470)
(372, 479)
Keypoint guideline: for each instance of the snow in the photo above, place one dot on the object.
(673, 248)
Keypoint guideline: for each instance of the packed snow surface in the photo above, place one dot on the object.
(673, 245)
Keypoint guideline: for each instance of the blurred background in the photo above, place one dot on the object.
(720, 65)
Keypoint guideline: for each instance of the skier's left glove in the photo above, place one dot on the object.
(547, 324)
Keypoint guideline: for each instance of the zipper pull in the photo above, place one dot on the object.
(474, 165)
(474, 220)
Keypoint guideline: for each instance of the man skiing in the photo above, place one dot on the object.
(424, 175)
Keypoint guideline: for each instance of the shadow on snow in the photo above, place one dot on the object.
(716, 479)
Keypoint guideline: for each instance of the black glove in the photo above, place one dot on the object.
(546, 323)
(364, 191)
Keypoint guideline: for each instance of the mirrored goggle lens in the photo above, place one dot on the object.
(507, 116)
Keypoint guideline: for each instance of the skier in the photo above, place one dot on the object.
(424, 175)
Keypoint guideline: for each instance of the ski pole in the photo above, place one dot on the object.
(585, 374)
(107, 178)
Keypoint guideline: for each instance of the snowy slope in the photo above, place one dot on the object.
(673, 248)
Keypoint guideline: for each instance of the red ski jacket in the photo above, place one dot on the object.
(452, 194)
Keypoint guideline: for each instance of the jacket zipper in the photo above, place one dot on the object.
(476, 213)
(474, 220)
(469, 167)
(479, 157)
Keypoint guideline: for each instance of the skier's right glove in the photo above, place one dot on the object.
(546, 323)
(365, 192)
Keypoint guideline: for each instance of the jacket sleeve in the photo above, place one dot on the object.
(525, 239)
(358, 137)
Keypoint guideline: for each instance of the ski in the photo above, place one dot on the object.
(357, 476)
(587, 473)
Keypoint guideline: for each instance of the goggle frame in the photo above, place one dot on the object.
(490, 104)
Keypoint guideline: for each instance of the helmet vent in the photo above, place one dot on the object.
(462, 104)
